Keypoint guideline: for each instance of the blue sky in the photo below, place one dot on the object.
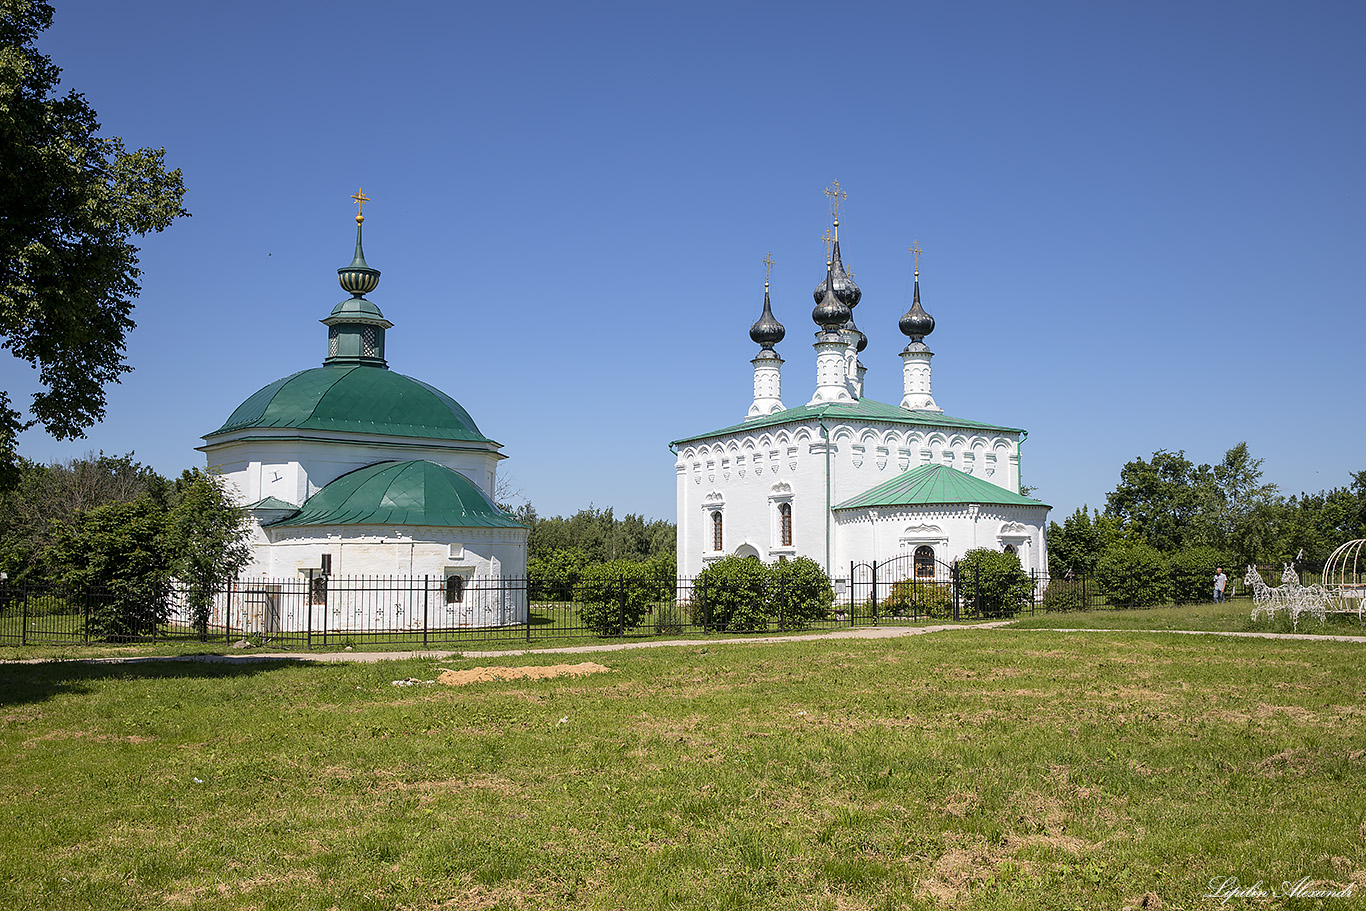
(1139, 220)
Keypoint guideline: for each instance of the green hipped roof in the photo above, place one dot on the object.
(927, 485)
(270, 503)
(401, 493)
(355, 399)
(862, 410)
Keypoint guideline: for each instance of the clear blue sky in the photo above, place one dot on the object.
(1143, 222)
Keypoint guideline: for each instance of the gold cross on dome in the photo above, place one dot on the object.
(768, 266)
(837, 197)
(827, 239)
(361, 199)
(916, 251)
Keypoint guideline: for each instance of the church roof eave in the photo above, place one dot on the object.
(937, 485)
(864, 409)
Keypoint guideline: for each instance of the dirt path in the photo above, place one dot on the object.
(867, 632)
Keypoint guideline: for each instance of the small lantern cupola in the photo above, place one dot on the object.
(355, 327)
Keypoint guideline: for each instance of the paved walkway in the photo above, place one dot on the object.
(863, 632)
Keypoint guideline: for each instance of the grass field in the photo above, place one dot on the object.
(969, 769)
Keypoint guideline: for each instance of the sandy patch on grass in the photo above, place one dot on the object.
(539, 672)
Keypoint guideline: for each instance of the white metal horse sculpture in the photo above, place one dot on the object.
(1290, 596)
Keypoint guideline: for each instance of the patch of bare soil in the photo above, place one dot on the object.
(539, 672)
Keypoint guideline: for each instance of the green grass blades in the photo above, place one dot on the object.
(972, 769)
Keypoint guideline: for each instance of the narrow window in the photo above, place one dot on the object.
(924, 562)
(455, 589)
(1010, 548)
(716, 539)
(785, 523)
(318, 590)
(327, 564)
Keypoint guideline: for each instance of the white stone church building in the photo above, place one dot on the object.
(843, 479)
(352, 469)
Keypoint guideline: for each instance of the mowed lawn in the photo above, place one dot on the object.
(966, 769)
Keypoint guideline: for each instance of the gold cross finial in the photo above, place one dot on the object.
(361, 199)
(916, 251)
(837, 197)
(768, 266)
(827, 239)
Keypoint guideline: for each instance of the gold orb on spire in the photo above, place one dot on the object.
(361, 199)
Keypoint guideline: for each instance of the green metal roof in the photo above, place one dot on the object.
(270, 503)
(862, 410)
(927, 485)
(402, 493)
(355, 399)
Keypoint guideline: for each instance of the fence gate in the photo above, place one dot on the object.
(906, 586)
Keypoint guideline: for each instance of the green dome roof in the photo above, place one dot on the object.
(355, 399)
(401, 493)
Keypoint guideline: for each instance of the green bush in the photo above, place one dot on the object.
(993, 583)
(1062, 595)
(799, 592)
(1133, 574)
(919, 598)
(743, 593)
(732, 594)
(118, 554)
(1192, 570)
(613, 597)
(553, 576)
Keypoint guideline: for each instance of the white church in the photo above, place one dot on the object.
(352, 469)
(846, 480)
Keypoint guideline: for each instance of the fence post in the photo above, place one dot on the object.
(706, 608)
(227, 613)
(308, 597)
(85, 609)
(621, 607)
(526, 587)
(426, 593)
(23, 621)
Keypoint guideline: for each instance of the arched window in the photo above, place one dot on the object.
(1009, 548)
(716, 539)
(455, 589)
(785, 524)
(924, 562)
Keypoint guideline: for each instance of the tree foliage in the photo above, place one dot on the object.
(207, 534)
(44, 497)
(615, 596)
(1134, 574)
(599, 535)
(744, 593)
(69, 202)
(993, 583)
(1076, 545)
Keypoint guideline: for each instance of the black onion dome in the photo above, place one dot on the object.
(844, 286)
(862, 342)
(831, 313)
(767, 331)
(916, 323)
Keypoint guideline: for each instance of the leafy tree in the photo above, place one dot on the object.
(1134, 574)
(45, 496)
(1076, 545)
(69, 200)
(993, 582)
(207, 534)
(118, 556)
(600, 535)
(552, 577)
(1168, 502)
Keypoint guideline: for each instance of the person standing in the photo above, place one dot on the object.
(1220, 583)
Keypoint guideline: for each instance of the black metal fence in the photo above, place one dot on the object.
(323, 611)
